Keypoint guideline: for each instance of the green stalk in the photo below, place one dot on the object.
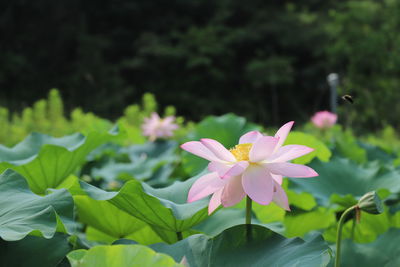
(353, 228)
(179, 235)
(248, 217)
(339, 234)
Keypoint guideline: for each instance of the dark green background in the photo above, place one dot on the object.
(263, 59)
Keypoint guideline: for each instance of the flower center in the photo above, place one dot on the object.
(241, 152)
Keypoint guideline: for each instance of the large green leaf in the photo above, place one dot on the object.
(302, 200)
(120, 256)
(384, 251)
(265, 214)
(268, 213)
(221, 220)
(226, 129)
(321, 151)
(107, 223)
(232, 248)
(142, 171)
(22, 212)
(151, 162)
(376, 153)
(145, 236)
(342, 177)
(273, 213)
(46, 161)
(347, 146)
(229, 217)
(159, 150)
(165, 208)
(297, 224)
(34, 251)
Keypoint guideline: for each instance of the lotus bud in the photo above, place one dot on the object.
(371, 203)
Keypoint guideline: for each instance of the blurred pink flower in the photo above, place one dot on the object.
(254, 167)
(324, 119)
(155, 127)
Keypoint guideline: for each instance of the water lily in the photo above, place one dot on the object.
(324, 119)
(254, 167)
(155, 127)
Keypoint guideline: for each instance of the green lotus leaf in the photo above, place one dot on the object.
(152, 172)
(395, 220)
(342, 177)
(232, 248)
(151, 162)
(99, 237)
(120, 256)
(221, 220)
(105, 150)
(297, 224)
(264, 213)
(229, 217)
(321, 151)
(145, 236)
(376, 153)
(268, 213)
(46, 161)
(348, 147)
(171, 237)
(160, 150)
(384, 251)
(226, 129)
(164, 208)
(301, 200)
(23, 212)
(71, 183)
(107, 223)
(344, 201)
(34, 251)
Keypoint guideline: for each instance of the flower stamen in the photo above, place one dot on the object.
(241, 151)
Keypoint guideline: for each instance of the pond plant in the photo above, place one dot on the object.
(164, 205)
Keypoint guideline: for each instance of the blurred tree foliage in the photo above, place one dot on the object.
(266, 60)
(365, 48)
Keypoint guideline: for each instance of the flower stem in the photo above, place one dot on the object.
(353, 228)
(248, 217)
(179, 235)
(339, 233)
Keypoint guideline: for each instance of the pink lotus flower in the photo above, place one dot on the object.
(254, 167)
(155, 127)
(324, 119)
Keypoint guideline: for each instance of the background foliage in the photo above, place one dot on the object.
(112, 188)
(265, 60)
